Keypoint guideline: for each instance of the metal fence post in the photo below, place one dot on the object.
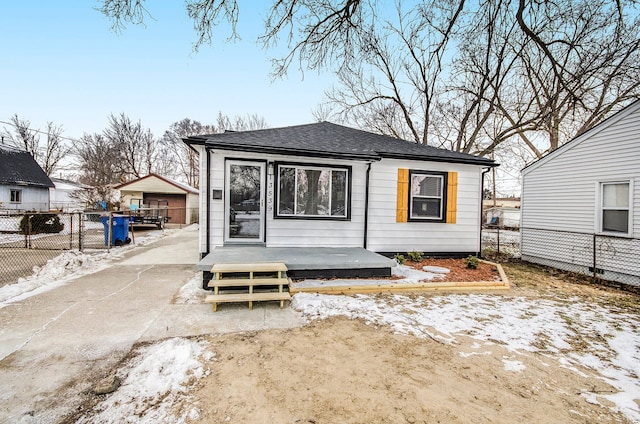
(498, 232)
(80, 230)
(110, 231)
(595, 269)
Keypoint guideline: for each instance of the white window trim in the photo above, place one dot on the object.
(12, 201)
(441, 197)
(295, 201)
(599, 208)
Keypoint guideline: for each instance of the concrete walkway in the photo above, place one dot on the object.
(55, 346)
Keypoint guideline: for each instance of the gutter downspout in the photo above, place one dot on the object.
(484, 172)
(208, 202)
(366, 205)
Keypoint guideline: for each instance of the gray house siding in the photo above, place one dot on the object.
(32, 198)
(561, 197)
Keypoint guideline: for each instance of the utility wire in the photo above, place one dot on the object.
(39, 131)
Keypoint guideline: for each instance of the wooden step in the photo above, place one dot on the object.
(246, 282)
(249, 267)
(247, 297)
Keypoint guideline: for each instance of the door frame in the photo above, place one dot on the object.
(262, 165)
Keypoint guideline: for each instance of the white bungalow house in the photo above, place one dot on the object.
(581, 203)
(324, 185)
(24, 186)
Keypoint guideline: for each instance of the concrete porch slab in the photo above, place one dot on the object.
(305, 261)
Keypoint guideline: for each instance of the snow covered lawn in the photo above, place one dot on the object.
(155, 379)
(580, 333)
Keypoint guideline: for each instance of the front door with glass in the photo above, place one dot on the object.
(244, 201)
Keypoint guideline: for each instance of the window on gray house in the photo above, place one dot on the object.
(16, 196)
(615, 207)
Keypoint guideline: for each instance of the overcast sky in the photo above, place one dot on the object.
(61, 62)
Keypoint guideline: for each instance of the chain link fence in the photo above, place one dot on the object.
(601, 257)
(498, 241)
(30, 239)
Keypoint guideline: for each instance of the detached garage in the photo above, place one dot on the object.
(156, 191)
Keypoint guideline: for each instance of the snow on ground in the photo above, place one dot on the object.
(548, 327)
(67, 267)
(407, 274)
(192, 291)
(153, 382)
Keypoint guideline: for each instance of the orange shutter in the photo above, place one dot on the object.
(452, 197)
(402, 204)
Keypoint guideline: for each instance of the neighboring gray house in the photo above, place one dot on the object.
(581, 203)
(23, 184)
(64, 196)
(326, 185)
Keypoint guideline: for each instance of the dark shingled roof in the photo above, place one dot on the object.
(18, 167)
(329, 140)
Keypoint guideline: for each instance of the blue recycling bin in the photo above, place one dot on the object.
(119, 230)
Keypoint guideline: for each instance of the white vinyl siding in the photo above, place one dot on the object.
(282, 232)
(562, 192)
(387, 235)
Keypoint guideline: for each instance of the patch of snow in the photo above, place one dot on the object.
(152, 384)
(470, 354)
(519, 324)
(412, 275)
(436, 269)
(192, 291)
(513, 365)
(407, 274)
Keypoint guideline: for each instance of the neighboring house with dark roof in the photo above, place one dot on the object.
(159, 192)
(581, 202)
(326, 185)
(23, 183)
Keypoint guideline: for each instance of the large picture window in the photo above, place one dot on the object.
(313, 191)
(427, 196)
(615, 207)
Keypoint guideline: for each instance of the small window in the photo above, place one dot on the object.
(16, 196)
(427, 196)
(312, 191)
(615, 207)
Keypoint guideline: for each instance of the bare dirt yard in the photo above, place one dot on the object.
(553, 349)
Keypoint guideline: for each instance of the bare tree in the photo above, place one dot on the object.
(133, 145)
(240, 123)
(468, 76)
(48, 154)
(184, 158)
(99, 168)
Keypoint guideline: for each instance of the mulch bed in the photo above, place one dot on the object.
(459, 271)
